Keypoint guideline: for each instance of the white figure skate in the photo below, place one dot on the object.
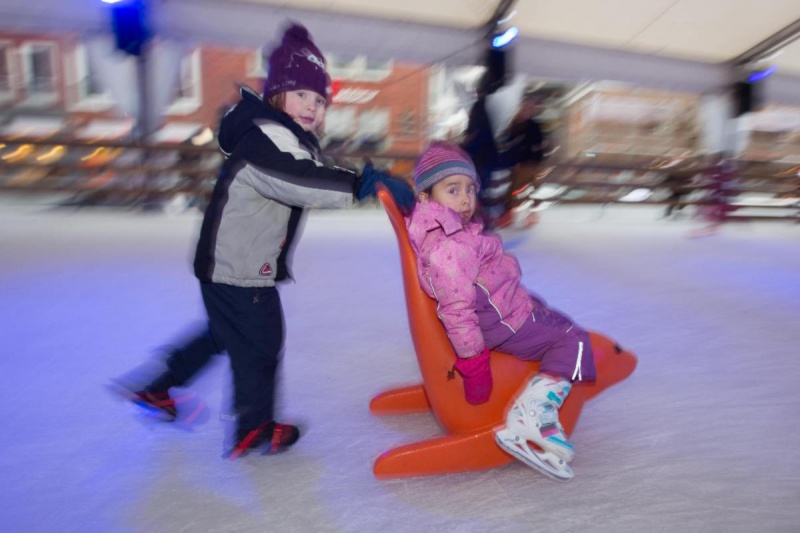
(546, 463)
(534, 417)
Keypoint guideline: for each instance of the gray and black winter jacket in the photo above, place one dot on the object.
(272, 173)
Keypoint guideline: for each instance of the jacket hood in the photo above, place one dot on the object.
(429, 216)
(240, 119)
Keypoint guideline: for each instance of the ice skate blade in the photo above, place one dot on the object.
(545, 463)
(560, 448)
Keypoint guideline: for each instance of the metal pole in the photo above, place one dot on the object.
(144, 99)
(147, 200)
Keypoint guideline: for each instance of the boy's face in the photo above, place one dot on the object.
(306, 107)
(458, 192)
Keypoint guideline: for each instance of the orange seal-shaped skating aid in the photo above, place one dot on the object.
(469, 443)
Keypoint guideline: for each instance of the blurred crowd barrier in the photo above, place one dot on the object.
(114, 172)
(121, 173)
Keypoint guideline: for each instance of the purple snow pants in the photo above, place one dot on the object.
(562, 346)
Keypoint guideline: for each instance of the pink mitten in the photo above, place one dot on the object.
(477, 375)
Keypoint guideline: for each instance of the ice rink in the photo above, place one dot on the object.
(702, 438)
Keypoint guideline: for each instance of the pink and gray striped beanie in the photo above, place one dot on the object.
(442, 160)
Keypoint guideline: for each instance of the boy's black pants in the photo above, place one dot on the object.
(246, 322)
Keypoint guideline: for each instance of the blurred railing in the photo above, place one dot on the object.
(112, 169)
(135, 172)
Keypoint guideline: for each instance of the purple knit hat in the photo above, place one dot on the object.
(440, 161)
(297, 64)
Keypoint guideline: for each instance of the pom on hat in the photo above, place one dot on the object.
(297, 64)
(440, 161)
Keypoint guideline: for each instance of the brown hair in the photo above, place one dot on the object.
(278, 101)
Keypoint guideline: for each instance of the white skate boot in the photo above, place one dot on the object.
(534, 415)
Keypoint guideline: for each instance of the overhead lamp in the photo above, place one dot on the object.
(129, 22)
(761, 74)
(502, 39)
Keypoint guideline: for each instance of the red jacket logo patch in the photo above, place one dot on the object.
(266, 270)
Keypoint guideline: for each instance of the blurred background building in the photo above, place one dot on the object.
(89, 102)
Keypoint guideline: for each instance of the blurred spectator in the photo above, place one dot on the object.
(479, 141)
(720, 181)
(480, 144)
(679, 183)
(526, 149)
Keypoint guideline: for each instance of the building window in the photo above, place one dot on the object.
(256, 65)
(407, 124)
(188, 96)
(84, 90)
(376, 70)
(39, 72)
(340, 125)
(373, 124)
(6, 79)
(359, 68)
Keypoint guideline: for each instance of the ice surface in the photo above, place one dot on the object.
(702, 438)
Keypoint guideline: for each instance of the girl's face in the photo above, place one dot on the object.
(306, 107)
(458, 192)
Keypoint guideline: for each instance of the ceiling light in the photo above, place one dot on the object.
(501, 40)
(761, 74)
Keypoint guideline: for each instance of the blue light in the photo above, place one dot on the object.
(129, 22)
(499, 41)
(758, 76)
(111, 1)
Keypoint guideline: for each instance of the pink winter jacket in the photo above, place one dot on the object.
(456, 259)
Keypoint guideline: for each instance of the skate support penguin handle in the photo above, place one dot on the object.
(468, 444)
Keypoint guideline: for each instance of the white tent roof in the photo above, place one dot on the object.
(699, 30)
(672, 44)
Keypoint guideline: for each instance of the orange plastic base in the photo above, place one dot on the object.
(476, 450)
(444, 455)
(402, 401)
